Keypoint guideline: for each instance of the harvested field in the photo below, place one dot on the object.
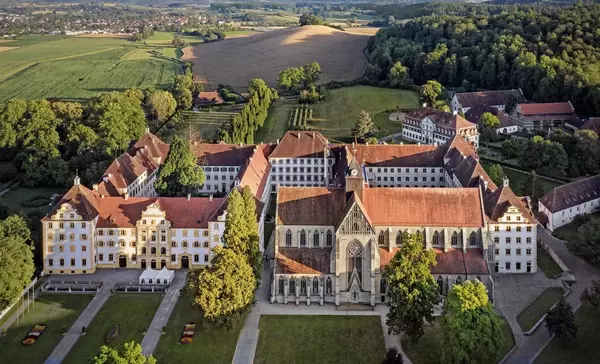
(362, 30)
(118, 36)
(4, 49)
(237, 61)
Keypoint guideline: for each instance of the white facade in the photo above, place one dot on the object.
(300, 172)
(406, 176)
(219, 178)
(456, 106)
(426, 131)
(565, 216)
(143, 186)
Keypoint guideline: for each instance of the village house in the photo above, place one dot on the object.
(507, 124)
(543, 116)
(463, 101)
(432, 126)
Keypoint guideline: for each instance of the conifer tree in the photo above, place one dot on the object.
(364, 125)
(180, 174)
(236, 232)
(254, 254)
(560, 322)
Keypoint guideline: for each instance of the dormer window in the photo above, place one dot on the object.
(72, 216)
(144, 222)
(61, 215)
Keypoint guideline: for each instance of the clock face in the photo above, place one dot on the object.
(354, 172)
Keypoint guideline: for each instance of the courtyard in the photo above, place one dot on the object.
(58, 311)
(319, 339)
(132, 312)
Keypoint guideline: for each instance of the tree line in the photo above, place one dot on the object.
(550, 52)
(243, 125)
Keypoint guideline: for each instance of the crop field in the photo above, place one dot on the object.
(80, 78)
(167, 37)
(198, 125)
(237, 61)
(299, 117)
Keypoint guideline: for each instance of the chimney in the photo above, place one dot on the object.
(95, 187)
(210, 197)
(147, 130)
(505, 181)
(126, 195)
(189, 196)
(455, 112)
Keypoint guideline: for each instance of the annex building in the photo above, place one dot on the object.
(427, 125)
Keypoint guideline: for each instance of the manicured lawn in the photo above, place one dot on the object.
(547, 264)
(584, 350)
(518, 178)
(14, 198)
(210, 345)
(167, 37)
(276, 123)
(320, 339)
(132, 312)
(427, 349)
(536, 309)
(56, 311)
(385, 125)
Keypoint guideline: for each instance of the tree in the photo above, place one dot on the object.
(413, 291)
(399, 76)
(511, 103)
(488, 120)
(180, 174)
(371, 140)
(130, 353)
(237, 229)
(226, 286)
(16, 259)
(586, 242)
(364, 125)
(430, 92)
(309, 19)
(161, 105)
(12, 112)
(183, 89)
(254, 254)
(179, 41)
(592, 295)
(311, 72)
(560, 322)
(497, 175)
(533, 188)
(290, 77)
(392, 356)
(471, 332)
(512, 148)
(38, 129)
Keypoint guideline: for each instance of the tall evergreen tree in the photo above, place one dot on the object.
(364, 126)
(237, 231)
(255, 256)
(180, 174)
(560, 322)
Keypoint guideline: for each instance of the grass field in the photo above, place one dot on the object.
(210, 345)
(56, 311)
(547, 264)
(167, 37)
(536, 309)
(427, 349)
(518, 178)
(584, 350)
(132, 312)
(84, 77)
(320, 339)
(202, 125)
(276, 123)
(14, 198)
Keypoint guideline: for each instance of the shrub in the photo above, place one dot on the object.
(111, 334)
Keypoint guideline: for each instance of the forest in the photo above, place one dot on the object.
(549, 51)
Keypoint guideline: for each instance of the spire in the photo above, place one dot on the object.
(76, 180)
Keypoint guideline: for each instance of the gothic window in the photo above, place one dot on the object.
(288, 238)
(303, 238)
(472, 239)
(458, 280)
(355, 259)
(436, 238)
(316, 238)
(381, 238)
(303, 286)
(292, 290)
(329, 238)
(440, 283)
(315, 286)
(454, 239)
(153, 250)
(281, 285)
(328, 286)
(399, 238)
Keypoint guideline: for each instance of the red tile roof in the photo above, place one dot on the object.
(223, 154)
(475, 112)
(549, 108)
(441, 119)
(300, 144)
(81, 199)
(572, 194)
(452, 262)
(469, 172)
(209, 97)
(497, 202)
(592, 124)
(410, 155)
(492, 98)
(309, 205)
(303, 261)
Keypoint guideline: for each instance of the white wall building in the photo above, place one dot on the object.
(432, 126)
(463, 101)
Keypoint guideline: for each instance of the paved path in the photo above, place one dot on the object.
(532, 345)
(68, 341)
(161, 317)
(246, 345)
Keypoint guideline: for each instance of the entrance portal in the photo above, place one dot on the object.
(122, 261)
(163, 263)
(185, 262)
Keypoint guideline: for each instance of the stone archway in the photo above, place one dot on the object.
(163, 263)
(185, 261)
(122, 261)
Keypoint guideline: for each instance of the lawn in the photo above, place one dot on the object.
(132, 312)
(584, 350)
(538, 308)
(56, 311)
(518, 178)
(276, 123)
(547, 264)
(203, 124)
(14, 198)
(210, 345)
(427, 349)
(320, 339)
(81, 78)
(167, 37)
(386, 126)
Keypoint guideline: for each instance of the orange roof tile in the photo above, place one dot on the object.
(223, 154)
(546, 108)
(82, 200)
(492, 98)
(409, 155)
(452, 262)
(309, 205)
(300, 144)
(497, 202)
(303, 261)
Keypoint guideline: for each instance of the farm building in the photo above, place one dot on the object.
(208, 98)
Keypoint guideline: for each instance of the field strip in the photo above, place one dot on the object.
(25, 66)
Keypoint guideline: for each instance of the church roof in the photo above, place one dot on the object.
(472, 99)
(300, 144)
(309, 205)
(303, 261)
(454, 261)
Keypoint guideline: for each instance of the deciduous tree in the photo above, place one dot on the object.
(16, 259)
(471, 332)
(130, 353)
(399, 76)
(496, 173)
(179, 41)
(592, 295)
(161, 105)
(560, 322)
(413, 291)
(180, 174)
(430, 92)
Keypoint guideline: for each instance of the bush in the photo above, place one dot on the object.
(8, 172)
(36, 201)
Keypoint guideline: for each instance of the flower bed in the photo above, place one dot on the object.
(189, 330)
(34, 334)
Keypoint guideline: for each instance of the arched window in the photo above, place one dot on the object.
(303, 286)
(328, 286)
(436, 238)
(302, 238)
(382, 288)
(454, 239)
(288, 238)
(150, 280)
(144, 250)
(315, 286)
(163, 250)
(458, 280)
(381, 238)
(281, 285)
(472, 239)
(440, 282)
(316, 238)
(355, 259)
(153, 250)
(399, 238)
(329, 238)
(292, 290)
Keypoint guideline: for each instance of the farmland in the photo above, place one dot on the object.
(336, 115)
(299, 117)
(237, 61)
(198, 125)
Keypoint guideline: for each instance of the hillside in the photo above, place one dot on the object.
(237, 61)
